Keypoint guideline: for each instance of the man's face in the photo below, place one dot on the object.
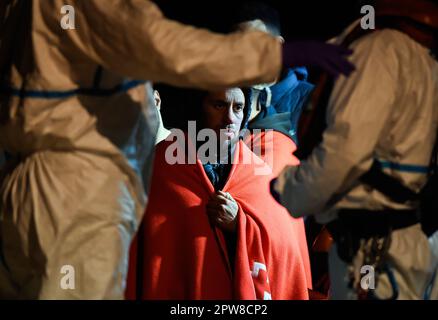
(224, 110)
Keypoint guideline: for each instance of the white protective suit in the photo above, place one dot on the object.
(386, 110)
(81, 129)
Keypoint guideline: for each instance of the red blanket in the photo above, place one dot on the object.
(178, 255)
(277, 150)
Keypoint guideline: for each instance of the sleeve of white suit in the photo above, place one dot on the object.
(134, 39)
(358, 111)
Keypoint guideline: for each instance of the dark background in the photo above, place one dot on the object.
(310, 19)
(305, 19)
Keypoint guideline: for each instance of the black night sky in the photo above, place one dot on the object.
(308, 19)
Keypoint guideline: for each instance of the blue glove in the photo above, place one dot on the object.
(332, 58)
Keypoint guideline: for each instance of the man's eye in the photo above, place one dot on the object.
(238, 108)
(219, 105)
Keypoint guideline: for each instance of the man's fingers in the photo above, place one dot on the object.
(217, 221)
(223, 199)
(220, 213)
(219, 199)
(216, 209)
(226, 195)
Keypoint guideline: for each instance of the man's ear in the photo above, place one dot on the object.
(157, 99)
(281, 39)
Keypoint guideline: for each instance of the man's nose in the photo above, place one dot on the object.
(229, 115)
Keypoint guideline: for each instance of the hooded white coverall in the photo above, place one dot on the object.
(82, 131)
(386, 110)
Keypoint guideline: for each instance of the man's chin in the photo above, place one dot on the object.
(229, 142)
(227, 135)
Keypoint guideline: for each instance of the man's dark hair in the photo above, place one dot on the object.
(252, 10)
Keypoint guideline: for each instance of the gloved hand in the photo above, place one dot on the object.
(330, 57)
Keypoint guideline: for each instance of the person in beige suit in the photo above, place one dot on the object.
(77, 117)
(382, 124)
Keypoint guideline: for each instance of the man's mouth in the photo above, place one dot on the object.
(229, 133)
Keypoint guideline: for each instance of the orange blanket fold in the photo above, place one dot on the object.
(178, 255)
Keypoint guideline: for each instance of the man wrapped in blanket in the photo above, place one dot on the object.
(212, 230)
